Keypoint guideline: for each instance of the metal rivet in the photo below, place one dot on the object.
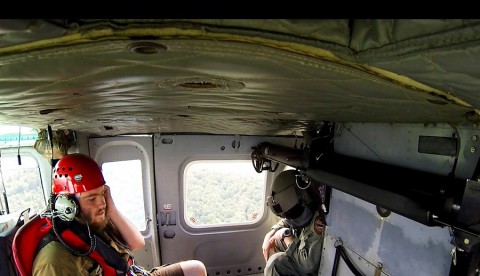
(466, 241)
(474, 138)
(472, 149)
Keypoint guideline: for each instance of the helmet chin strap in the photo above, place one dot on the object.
(303, 220)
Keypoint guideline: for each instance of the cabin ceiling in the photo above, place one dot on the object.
(250, 77)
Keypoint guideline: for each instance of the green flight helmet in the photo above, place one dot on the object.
(288, 200)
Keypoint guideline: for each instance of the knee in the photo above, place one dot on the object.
(193, 267)
(275, 258)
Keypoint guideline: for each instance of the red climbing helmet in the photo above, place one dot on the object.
(76, 173)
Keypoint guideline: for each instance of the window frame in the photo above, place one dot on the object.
(44, 170)
(219, 227)
(124, 150)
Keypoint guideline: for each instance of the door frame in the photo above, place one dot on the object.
(123, 148)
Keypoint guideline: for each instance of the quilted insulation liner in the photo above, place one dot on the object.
(201, 82)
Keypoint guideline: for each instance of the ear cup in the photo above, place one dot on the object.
(65, 207)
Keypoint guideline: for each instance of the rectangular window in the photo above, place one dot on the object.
(125, 181)
(223, 193)
(21, 185)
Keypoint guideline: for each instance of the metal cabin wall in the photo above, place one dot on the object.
(401, 245)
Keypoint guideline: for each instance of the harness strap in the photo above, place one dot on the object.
(77, 242)
(103, 254)
(49, 237)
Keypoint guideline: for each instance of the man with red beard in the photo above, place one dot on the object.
(84, 201)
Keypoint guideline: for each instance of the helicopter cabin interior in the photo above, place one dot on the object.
(191, 120)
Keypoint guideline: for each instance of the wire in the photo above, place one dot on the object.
(93, 240)
(360, 140)
(18, 151)
(50, 138)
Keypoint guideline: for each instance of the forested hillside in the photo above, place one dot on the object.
(23, 188)
(219, 196)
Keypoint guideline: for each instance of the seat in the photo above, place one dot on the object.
(26, 241)
(30, 235)
(9, 229)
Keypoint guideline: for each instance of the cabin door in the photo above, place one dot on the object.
(127, 165)
(211, 201)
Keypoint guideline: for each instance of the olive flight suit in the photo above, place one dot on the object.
(55, 259)
(302, 257)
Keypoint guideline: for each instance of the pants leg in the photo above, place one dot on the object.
(167, 270)
(280, 264)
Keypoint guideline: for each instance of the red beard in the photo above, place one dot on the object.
(95, 226)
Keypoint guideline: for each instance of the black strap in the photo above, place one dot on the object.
(340, 252)
(349, 263)
(336, 261)
(49, 237)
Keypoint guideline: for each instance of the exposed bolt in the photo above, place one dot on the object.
(466, 241)
(472, 149)
(474, 138)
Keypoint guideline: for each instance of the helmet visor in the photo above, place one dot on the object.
(303, 219)
(283, 201)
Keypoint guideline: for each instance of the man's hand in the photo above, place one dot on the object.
(268, 244)
(269, 241)
(128, 231)
(111, 208)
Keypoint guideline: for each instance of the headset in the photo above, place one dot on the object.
(61, 205)
(65, 207)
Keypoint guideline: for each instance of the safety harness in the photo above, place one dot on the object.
(76, 236)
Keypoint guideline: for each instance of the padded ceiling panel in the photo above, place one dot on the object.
(229, 83)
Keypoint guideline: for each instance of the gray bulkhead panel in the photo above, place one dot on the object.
(400, 245)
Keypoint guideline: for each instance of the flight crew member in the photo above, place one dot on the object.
(294, 245)
(79, 177)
